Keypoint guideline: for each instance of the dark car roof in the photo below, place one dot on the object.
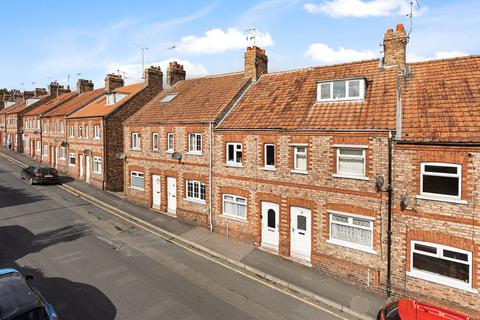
(16, 296)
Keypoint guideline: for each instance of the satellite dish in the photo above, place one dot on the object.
(121, 156)
(403, 201)
(177, 156)
(379, 183)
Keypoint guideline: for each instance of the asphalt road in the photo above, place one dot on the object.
(91, 265)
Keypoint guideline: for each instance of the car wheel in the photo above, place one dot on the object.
(30, 181)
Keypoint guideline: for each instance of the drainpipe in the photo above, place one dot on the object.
(210, 179)
(104, 160)
(398, 131)
(389, 224)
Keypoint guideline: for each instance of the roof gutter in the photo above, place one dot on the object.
(304, 130)
(439, 143)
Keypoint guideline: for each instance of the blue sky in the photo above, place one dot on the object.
(49, 40)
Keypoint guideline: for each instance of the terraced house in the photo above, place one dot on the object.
(95, 133)
(168, 142)
(55, 121)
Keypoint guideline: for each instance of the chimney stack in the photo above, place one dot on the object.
(113, 81)
(84, 86)
(256, 62)
(395, 47)
(40, 92)
(16, 95)
(154, 77)
(175, 73)
(28, 94)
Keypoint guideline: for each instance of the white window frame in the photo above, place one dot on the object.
(72, 155)
(61, 127)
(139, 175)
(441, 197)
(363, 156)
(347, 244)
(265, 165)
(136, 142)
(71, 131)
(87, 133)
(199, 186)
(96, 131)
(45, 150)
(61, 153)
(235, 198)
(97, 165)
(80, 132)
(295, 154)
(194, 148)
(170, 146)
(155, 141)
(39, 146)
(436, 278)
(347, 97)
(234, 163)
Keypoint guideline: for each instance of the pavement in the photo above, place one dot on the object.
(313, 284)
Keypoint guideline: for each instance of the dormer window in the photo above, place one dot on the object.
(115, 97)
(341, 90)
(169, 97)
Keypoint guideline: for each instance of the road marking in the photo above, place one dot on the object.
(194, 251)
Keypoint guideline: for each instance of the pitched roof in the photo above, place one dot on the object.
(41, 108)
(100, 108)
(288, 100)
(77, 102)
(441, 101)
(22, 105)
(197, 100)
(9, 108)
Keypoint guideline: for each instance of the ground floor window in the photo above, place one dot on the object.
(61, 153)
(137, 180)
(72, 160)
(442, 264)
(39, 146)
(97, 164)
(351, 231)
(234, 206)
(195, 190)
(45, 150)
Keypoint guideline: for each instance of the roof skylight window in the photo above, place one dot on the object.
(169, 97)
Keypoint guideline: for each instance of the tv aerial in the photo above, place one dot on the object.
(142, 48)
(413, 3)
(252, 35)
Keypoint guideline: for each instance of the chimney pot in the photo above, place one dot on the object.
(175, 73)
(400, 27)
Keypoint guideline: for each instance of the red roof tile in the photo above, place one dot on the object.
(41, 108)
(197, 100)
(288, 100)
(75, 103)
(100, 108)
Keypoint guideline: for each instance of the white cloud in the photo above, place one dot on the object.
(219, 41)
(324, 54)
(133, 72)
(360, 8)
(412, 57)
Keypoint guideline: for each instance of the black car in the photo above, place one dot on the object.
(36, 174)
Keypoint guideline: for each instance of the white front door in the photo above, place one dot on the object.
(301, 233)
(270, 225)
(81, 167)
(87, 168)
(172, 194)
(156, 191)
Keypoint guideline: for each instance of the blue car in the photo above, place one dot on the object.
(20, 301)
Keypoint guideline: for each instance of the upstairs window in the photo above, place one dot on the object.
(269, 160)
(80, 131)
(155, 141)
(71, 132)
(300, 159)
(96, 132)
(441, 180)
(87, 133)
(170, 142)
(135, 140)
(195, 143)
(61, 127)
(351, 162)
(234, 154)
(341, 90)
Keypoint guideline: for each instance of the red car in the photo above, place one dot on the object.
(405, 309)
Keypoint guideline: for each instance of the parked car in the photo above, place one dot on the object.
(406, 309)
(38, 174)
(20, 301)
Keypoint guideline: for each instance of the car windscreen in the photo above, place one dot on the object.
(35, 314)
(391, 312)
(47, 171)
